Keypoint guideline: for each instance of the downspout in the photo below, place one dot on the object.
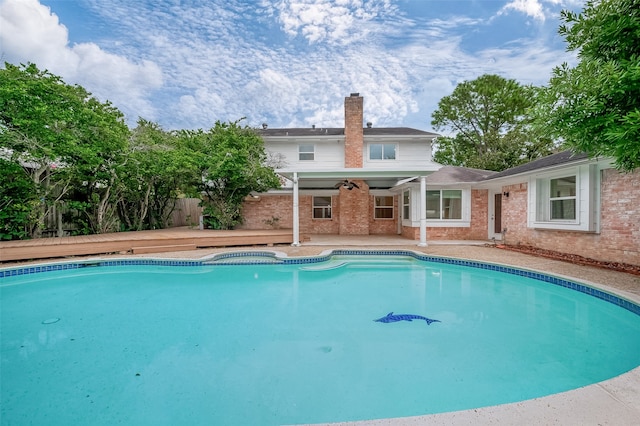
(296, 215)
(423, 212)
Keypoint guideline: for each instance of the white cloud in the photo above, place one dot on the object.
(536, 8)
(289, 64)
(331, 21)
(29, 32)
(532, 8)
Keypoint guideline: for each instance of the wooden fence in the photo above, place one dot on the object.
(186, 213)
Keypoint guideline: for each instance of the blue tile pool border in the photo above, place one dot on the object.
(270, 257)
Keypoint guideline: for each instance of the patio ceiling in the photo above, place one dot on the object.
(328, 179)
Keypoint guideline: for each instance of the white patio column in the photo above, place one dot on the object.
(296, 215)
(423, 212)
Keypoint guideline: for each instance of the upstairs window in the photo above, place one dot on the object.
(322, 207)
(382, 151)
(383, 207)
(306, 152)
(444, 204)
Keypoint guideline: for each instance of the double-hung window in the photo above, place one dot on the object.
(322, 207)
(382, 151)
(556, 199)
(566, 200)
(383, 207)
(306, 152)
(562, 198)
(444, 204)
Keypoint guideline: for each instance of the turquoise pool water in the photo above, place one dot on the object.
(294, 343)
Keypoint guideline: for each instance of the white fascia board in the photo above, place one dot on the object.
(320, 192)
(302, 139)
(398, 138)
(281, 191)
(363, 173)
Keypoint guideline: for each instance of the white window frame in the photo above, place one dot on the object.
(311, 153)
(382, 153)
(442, 208)
(406, 204)
(322, 208)
(587, 200)
(416, 198)
(561, 198)
(377, 208)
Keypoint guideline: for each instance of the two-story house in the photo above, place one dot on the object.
(363, 180)
(354, 180)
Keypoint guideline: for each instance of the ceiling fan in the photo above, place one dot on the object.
(347, 184)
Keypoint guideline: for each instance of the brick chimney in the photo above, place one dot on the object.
(353, 133)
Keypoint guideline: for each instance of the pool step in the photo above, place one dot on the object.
(244, 261)
(323, 267)
(241, 258)
(160, 249)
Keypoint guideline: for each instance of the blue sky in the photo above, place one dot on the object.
(288, 63)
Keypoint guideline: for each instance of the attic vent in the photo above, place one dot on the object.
(313, 126)
(265, 125)
(369, 124)
(355, 94)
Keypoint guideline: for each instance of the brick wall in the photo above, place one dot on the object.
(411, 233)
(620, 226)
(358, 219)
(514, 209)
(354, 209)
(258, 212)
(383, 226)
(352, 213)
(619, 237)
(309, 225)
(353, 131)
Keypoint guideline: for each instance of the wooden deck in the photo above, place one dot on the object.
(174, 239)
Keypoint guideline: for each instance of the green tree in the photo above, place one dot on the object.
(35, 110)
(98, 160)
(63, 138)
(595, 106)
(18, 199)
(230, 163)
(490, 127)
(158, 169)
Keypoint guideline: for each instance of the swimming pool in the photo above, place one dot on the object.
(295, 341)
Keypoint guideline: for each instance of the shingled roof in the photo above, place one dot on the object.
(339, 131)
(454, 174)
(542, 163)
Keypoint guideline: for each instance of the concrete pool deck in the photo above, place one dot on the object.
(612, 402)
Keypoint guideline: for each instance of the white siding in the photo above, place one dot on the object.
(409, 154)
(329, 154)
